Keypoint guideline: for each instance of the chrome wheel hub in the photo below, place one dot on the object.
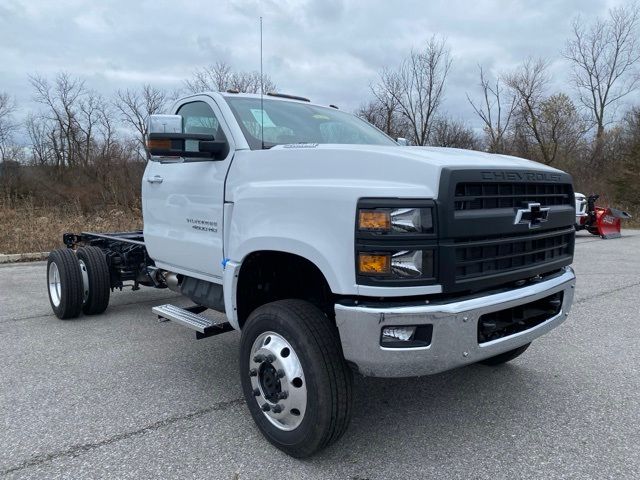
(85, 281)
(278, 381)
(55, 289)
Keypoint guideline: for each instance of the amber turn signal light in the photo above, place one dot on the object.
(159, 144)
(374, 220)
(374, 264)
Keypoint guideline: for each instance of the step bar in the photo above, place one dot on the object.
(190, 317)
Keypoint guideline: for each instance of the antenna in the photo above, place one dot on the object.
(261, 91)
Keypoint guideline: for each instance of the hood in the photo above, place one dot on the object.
(391, 171)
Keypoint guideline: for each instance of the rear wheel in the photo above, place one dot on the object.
(505, 357)
(95, 271)
(64, 282)
(295, 380)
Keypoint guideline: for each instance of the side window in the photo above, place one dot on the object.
(198, 117)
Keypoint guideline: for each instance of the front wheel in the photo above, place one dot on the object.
(295, 380)
(505, 357)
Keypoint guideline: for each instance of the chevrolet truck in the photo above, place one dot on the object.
(334, 249)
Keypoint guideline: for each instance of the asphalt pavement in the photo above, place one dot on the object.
(122, 396)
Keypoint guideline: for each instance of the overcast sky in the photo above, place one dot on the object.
(329, 50)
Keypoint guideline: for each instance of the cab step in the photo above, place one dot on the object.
(190, 317)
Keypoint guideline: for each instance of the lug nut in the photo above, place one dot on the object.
(269, 358)
(258, 358)
(265, 407)
(253, 372)
(283, 395)
(280, 373)
(256, 392)
(277, 408)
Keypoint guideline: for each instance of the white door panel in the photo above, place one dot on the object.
(183, 205)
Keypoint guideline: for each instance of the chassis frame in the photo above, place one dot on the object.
(126, 256)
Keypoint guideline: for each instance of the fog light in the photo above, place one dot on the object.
(397, 334)
(406, 336)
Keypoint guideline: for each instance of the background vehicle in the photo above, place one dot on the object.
(602, 221)
(333, 249)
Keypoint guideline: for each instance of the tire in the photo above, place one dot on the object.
(64, 283)
(505, 357)
(96, 299)
(296, 334)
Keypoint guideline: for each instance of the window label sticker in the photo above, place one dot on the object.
(259, 115)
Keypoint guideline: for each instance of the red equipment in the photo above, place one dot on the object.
(602, 221)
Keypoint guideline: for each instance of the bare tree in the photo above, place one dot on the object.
(549, 124)
(561, 128)
(38, 128)
(61, 101)
(384, 116)
(220, 77)
(417, 87)
(7, 125)
(135, 107)
(528, 84)
(604, 56)
(495, 109)
(451, 133)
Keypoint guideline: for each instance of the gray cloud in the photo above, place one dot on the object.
(329, 50)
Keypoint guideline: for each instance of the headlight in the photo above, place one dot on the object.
(396, 242)
(401, 264)
(396, 220)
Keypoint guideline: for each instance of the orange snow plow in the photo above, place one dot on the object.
(602, 221)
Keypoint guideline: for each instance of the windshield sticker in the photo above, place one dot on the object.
(318, 116)
(261, 115)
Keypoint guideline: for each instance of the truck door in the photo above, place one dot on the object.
(183, 202)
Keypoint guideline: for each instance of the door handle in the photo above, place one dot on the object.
(155, 179)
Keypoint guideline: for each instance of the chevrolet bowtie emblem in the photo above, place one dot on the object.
(533, 215)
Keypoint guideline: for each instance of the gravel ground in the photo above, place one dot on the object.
(122, 396)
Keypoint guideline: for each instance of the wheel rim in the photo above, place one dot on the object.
(278, 381)
(55, 288)
(85, 281)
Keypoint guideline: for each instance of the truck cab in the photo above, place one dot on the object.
(335, 251)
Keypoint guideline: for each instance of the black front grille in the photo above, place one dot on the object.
(488, 256)
(480, 196)
(503, 323)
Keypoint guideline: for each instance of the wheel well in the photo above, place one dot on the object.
(268, 276)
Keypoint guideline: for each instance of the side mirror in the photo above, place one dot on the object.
(166, 142)
(403, 142)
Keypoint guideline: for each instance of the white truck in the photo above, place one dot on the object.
(334, 249)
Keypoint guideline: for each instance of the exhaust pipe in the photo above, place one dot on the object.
(172, 281)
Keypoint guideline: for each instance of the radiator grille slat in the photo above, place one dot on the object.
(476, 259)
(480, 196)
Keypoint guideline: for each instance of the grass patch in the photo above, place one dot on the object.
(28, 229)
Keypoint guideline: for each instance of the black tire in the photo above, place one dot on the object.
(505, 357)
(328, 378)
(66, 299)
(95, 262)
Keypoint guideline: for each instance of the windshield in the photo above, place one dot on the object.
(294, 122)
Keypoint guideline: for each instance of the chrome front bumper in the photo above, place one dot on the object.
(455, 330)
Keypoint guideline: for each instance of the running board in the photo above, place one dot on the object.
(190, 318)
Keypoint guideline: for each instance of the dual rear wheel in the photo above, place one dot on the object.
(78, 282)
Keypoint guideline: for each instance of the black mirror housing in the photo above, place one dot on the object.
(189, 146)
